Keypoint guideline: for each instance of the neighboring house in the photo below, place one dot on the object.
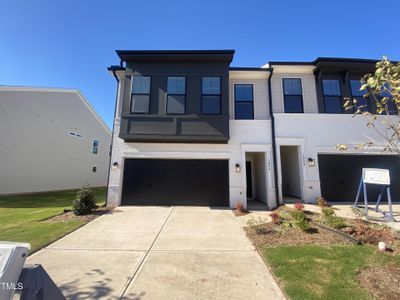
(191, 130)
(51, 139)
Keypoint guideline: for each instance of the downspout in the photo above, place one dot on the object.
(274, 157)
(112, 134)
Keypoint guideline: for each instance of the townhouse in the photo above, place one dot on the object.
(190, 129)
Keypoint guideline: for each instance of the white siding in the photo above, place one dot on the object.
(260, 92)
(37, 152)
(310, 102)
(320, 133)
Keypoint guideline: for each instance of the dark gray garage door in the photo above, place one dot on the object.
(340, 175)
(176, 182)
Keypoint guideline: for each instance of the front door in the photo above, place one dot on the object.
(249, 180)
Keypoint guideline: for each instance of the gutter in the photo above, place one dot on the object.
(274, 157)
(112, 133)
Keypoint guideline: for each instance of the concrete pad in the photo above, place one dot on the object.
(88, 274)
(202, 228)
(203, 275)
(128, 228)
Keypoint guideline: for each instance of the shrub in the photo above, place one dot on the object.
(298, 215)
(302, 224)
(300, 220)
(330, 218)
(299, 206)
(328, 211)
(84, 202)
(335, 222)
(322, 202)
(276, 217)
(239, 206)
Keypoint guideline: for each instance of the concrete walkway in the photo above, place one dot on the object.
(159, 253)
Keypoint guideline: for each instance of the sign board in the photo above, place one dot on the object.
(376, 176)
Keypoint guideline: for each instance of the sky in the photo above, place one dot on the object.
(70, 43)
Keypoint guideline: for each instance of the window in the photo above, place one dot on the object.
(244, 109)
(332, 96)
(211, 95)
(293, 95)
(95, 147)
(94, 169)
(359, 95)
(75, 134)
(140, 95)
(176, 95)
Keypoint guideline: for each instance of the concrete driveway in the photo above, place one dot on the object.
(159, 253)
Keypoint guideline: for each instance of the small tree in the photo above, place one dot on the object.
(383, 86)
(84, 202)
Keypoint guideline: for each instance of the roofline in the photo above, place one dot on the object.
(290, 63)
(175, 55)
(327, 59)
(250, 69)
(178, 52)
(12, 88)
(116, 68)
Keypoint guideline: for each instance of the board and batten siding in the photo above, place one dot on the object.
(310, 103)
(260, 94)
(37, 151)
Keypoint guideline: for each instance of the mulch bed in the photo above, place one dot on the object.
(270, 235)
(382, 282)
(69, 216)
(240, 212)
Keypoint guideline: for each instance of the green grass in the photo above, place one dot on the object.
(323, 272)
(21, 216)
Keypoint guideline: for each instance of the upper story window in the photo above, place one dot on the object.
(244, 108)
(95, 147)
(211, 95)
(176, 95)
(140, 94)
(293, 95)
(359, 95)
(332, 96)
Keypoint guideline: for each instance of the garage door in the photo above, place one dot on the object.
(340, 175)
(175, 182)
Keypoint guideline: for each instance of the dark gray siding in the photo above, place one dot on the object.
(193, 126)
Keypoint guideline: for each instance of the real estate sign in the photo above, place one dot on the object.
(376, 176)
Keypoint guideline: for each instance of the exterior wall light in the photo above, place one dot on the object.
(237, 167)
(114, 166)
(311, 162)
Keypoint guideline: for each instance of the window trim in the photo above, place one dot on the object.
(252, 101)
(143, 94)
(283, 94)
(220, 96)
(97, 147)
(167, 94)
(340, 96)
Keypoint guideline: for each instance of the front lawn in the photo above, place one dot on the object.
(315, 255)
(22, 217)
(324, 272)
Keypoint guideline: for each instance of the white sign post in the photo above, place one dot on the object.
(378, 177)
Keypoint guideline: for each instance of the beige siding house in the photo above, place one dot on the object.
(50, 139)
